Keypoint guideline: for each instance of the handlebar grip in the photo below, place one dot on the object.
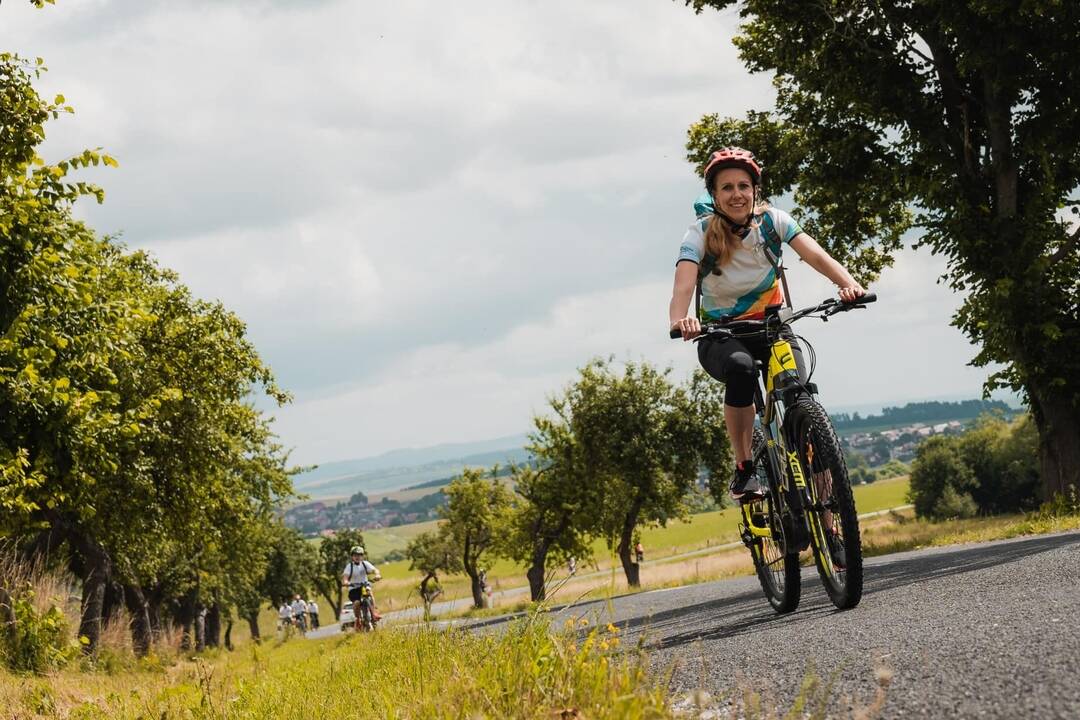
(675, 334)
(867, 298)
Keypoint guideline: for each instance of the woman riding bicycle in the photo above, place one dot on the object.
(357, 573)
(730, 245)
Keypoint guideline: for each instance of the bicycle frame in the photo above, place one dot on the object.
(782, 373)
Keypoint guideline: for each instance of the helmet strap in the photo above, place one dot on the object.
(740, 229)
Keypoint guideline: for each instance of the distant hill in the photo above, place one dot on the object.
(408, 467)
(919, 412)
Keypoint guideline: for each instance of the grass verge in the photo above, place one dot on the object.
(529, 671)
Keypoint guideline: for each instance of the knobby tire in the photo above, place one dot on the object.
(818, 448)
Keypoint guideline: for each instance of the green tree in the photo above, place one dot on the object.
(858, 468)
(475, 517)
(958, 119)
(292, 565)
(127, 435)
(333, 555)
(640, 442)
(432, 553)
(941, 482)
(551, 523)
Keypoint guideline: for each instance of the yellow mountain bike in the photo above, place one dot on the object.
(808, 501)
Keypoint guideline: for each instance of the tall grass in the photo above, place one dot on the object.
(529, 671)
(35, 633)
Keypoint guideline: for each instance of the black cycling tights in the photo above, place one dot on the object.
(731, 362)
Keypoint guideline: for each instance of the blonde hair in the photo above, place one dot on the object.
(721, 242)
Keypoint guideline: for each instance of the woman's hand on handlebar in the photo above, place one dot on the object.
(851, 293)
(689, 327)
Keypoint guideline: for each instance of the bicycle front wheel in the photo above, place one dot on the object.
(831, 515)
(775, 559)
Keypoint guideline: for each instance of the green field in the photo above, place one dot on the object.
(698, 532)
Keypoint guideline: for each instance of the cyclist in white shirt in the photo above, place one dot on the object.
(299, 610)
(313, 614)
(357, 572)
(284, 615)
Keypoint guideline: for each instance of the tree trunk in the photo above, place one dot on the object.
(186, 615)
(97, 577)
(629, 562)
(1059, 440)
(535, 574)
(477, 589)
(425, 596)
(138, 608)
(333, 596)
(153, 609)
(536, 571)
(213, 626)
(114, 599)
(200, 628)
(253, 626)
(469, 563)
(228, 634)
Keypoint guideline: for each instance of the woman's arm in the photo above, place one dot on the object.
(681, 295)
(816, 257)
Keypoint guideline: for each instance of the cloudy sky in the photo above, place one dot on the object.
(430, 214)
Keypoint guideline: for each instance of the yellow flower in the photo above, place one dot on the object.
(612, 629)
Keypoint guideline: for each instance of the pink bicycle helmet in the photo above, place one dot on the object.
(732, 157)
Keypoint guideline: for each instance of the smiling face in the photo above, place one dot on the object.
(734, 193)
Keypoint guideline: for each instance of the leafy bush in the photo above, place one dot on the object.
(941, 481)
(858, 468)
(39, 641)
(891, 469)
(992, 468)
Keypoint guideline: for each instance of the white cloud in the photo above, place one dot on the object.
(429, 219)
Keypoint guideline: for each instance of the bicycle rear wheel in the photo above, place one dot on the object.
(776, 562)
(831, 514)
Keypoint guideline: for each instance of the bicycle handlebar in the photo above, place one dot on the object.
(829, 307)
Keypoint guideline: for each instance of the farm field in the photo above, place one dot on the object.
(398, 587)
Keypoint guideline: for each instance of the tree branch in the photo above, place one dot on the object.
(1069, 244)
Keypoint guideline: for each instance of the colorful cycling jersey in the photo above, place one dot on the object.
(747, 283)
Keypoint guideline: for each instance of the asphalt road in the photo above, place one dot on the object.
(972, 631)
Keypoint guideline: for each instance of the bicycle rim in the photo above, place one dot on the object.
(831, 514)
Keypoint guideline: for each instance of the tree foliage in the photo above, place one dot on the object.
(634, 442)
(957, 119)
(129, 444)
(432, 553)
(475, 518)
(992, 468)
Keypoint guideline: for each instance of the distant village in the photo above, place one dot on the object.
(896, 443)
(320, 518)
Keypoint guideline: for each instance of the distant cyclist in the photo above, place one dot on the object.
(726, 248)
(299, 612)
(285, 614)
(358, 572)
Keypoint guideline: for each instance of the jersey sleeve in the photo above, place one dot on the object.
(693, 245)
(786, 226)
